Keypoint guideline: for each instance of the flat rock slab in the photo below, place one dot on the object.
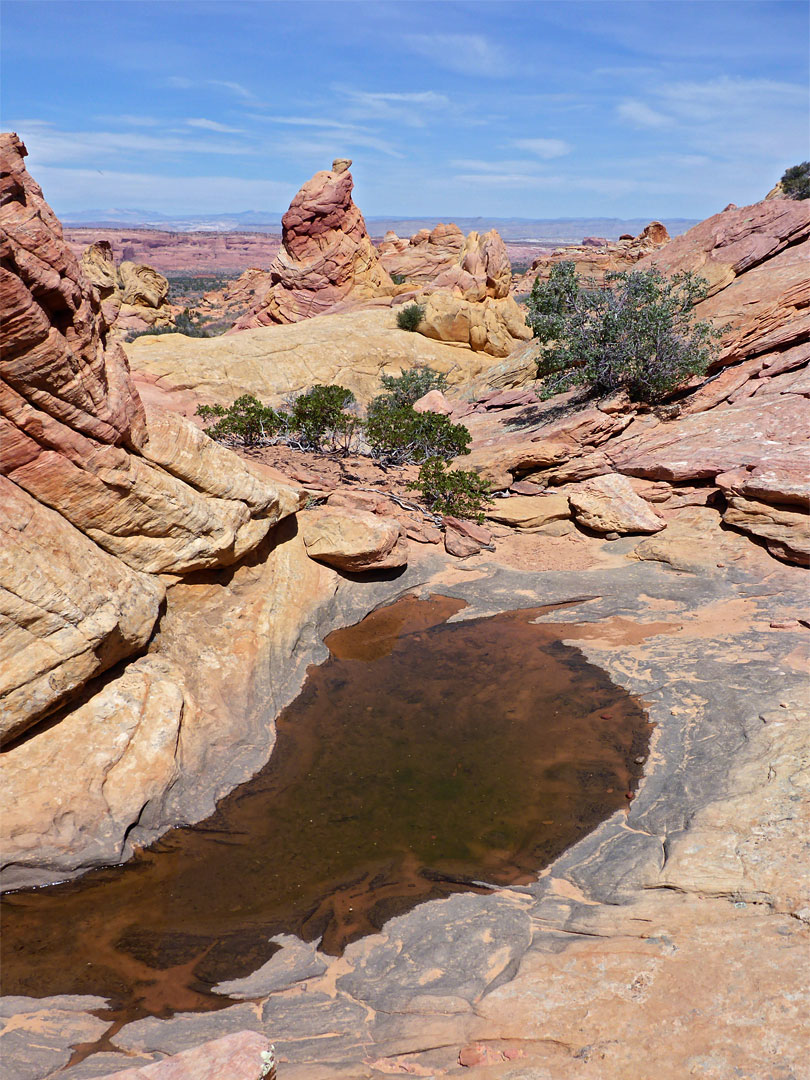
(237, 1057)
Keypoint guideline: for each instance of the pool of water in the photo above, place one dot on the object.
(421, 759)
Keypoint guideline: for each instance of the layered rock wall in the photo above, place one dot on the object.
(99, 494)
(134, 296)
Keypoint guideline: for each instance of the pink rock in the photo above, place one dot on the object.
(326, 258)
(433, 401)
(235, 1057)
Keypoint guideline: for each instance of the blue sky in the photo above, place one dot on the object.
(528, 109)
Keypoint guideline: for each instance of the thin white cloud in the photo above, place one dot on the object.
(329, 145)
(640, 115)
(308, 121)
(130, 120)
(544, 148)
(213, 125)
(181, 82)
(49, 146)
(412, 108)
(465, 54)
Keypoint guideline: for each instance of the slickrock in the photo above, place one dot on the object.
(491, 326)
(609, 504)
(353, 540)
(237, 1057)
(237, 298)
(352, 349)
(68, 610)
(326, 258)
(115, 757)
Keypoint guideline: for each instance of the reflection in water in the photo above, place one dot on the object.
(420, 758)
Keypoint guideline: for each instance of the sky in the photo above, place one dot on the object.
(659, 109)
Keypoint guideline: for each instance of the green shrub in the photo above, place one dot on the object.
(409, 386)
(796, 181)
(183, 324)
(460, 492)
(409, 317)
(318, 419)
(246, 421)
(398, 279)
(637, 334)
(396, 433)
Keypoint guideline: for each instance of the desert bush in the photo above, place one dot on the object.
(409, 386)
(398, 279)
(409, 317)
(246, 421)
(638, 333)
(318, 419)
(396, 433)
(460, 492)
(796, 181)
(183, 324)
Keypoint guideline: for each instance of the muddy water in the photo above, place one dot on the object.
(420, 759)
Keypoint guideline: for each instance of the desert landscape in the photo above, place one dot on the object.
(404, 655)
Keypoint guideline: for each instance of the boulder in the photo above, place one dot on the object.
(353, 540)
(433, 401)
(608, 504)
(463, 538)
(326, 258)
(495, 327)
(529, 512)
(785, 529)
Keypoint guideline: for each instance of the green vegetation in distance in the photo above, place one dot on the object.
(796, 181)
(409, 317)
(638, 333)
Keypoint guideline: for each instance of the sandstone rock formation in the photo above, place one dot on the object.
(326, 259)
(494, 327)
(133, 494)
(353, 540)
(595, 256)
(608, 504)
(134, 296)
(422, 257)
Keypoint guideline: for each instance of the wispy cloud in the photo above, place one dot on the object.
(181, 82)
(465, 54)
(49, 145)
(544, 148)
(640, 115)
(412, 108)
(213, 125)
